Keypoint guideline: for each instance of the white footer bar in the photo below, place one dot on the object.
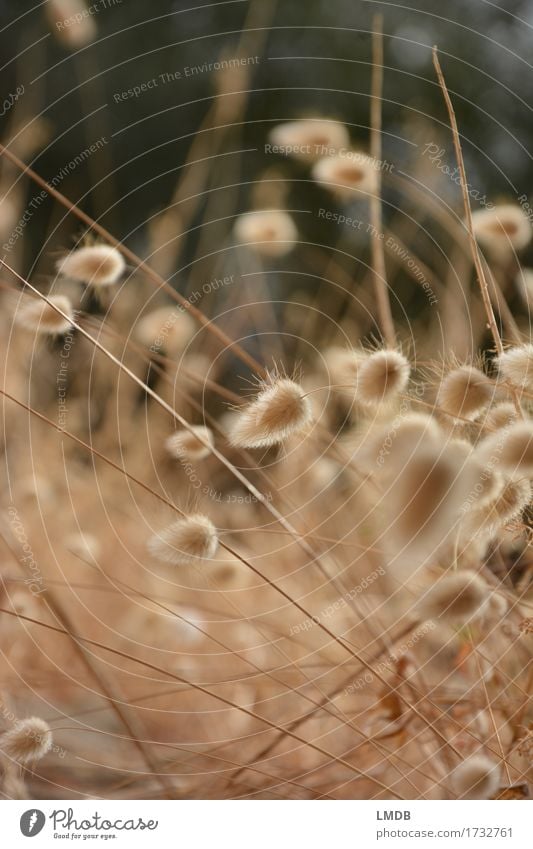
(268, 825)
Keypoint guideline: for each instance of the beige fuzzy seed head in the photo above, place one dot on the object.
(516, 449)
(190, 445)
(456, 599)
(465, 392)
(512, 499)
(498, 605)
(270, 233)
(423, 502)
(516, 366)
(381, 377)
(487, 484)
(166, 330)
(502, 230)
(28, 741)
(41, 317)
(346, 174)
(341, 365)
(306, 139)
(476, 778)
(186, 541)
(278, 412)
(414, 432)
(71, 22)
(390, 448)
(499, 416)
(94, 265)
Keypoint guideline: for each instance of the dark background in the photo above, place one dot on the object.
(485, 48)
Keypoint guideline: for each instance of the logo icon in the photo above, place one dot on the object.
(32, 822)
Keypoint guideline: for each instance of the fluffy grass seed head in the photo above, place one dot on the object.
(507, 506)
(423, 502)
(487, 484)
(465, 392)
(516, 365)
(347, 173)
(500, 416)
(341, 366)
(271, 232)
(498, 605)
(381, 377)
(414, 432)
(280, 410)
(94, 265)
(41, 317)
(455, 599)
(187, 445)
(503, 229)
(476, 778)
(186, 541)
(166, 330)
(513, 448)
(28, 741)
(391, 448)
(71, 22)
(308, 138)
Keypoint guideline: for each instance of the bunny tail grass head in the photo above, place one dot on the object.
(476, 778)
(186, 541)
(342, 365)
(499, 416)
(426, 488)
(166, 330)
(28, 741)
(41, 317)
(455, 599)
(190, 445)
(280, 410)
(507, 506)
(346, 175)
(390, 450)
(94, 265)
(306, 139)
(271, 232)
(512, 447)
(465, 392)
(381, 377)
(516, 365)
(502, 230)
(71, 22)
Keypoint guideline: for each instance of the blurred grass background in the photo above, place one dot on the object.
(314, 59)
